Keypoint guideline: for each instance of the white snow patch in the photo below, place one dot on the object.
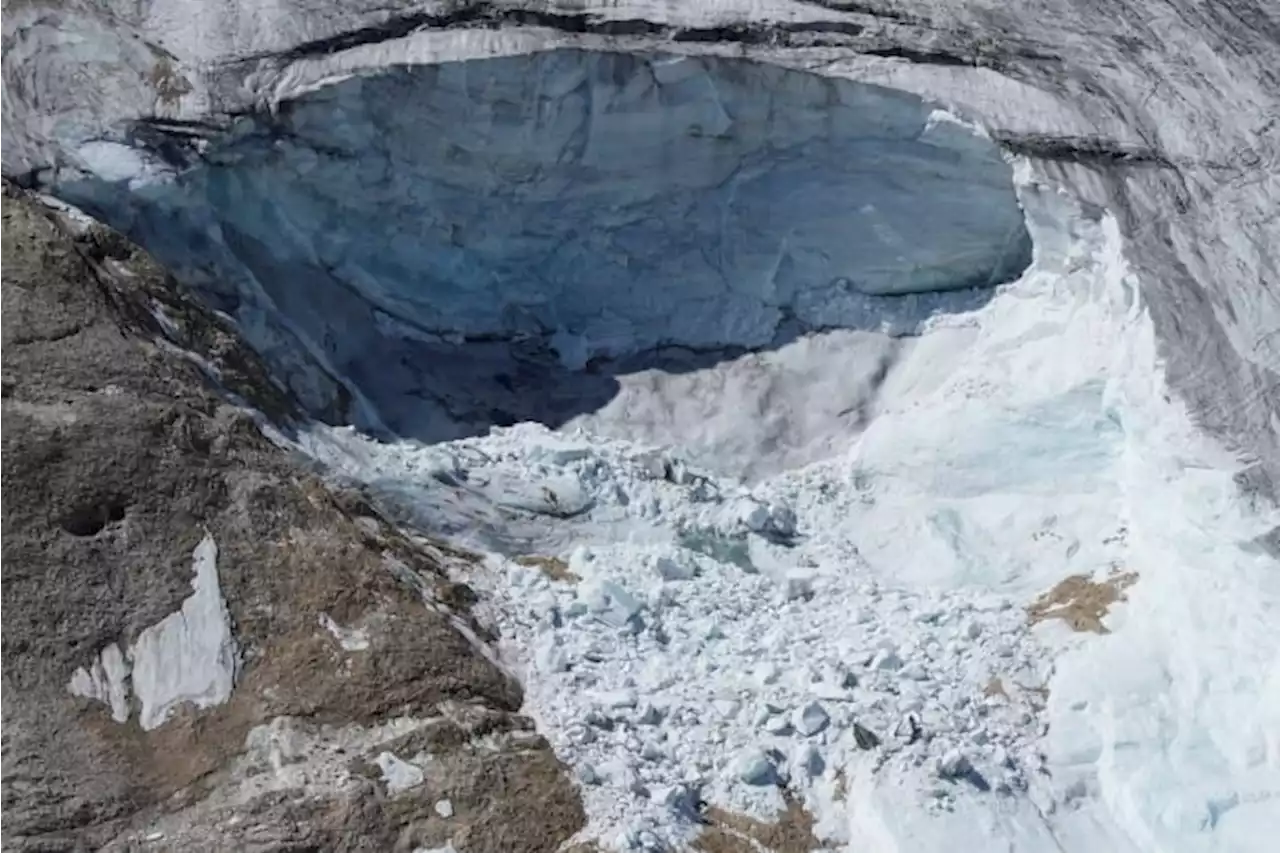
(350, 639)
(399, 775)
(116, 162)
(189, 656)
(106, 680)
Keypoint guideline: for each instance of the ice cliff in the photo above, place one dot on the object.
(606, 203)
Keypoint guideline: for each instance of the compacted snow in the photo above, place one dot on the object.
(856, 628)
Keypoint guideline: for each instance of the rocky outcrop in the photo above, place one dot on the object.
(204, 647)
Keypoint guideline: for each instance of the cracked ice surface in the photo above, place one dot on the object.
(606, 202)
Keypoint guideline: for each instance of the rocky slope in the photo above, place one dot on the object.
(322, 688)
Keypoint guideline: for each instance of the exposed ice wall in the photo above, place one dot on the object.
(607, 202)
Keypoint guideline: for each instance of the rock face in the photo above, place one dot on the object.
(169, 576)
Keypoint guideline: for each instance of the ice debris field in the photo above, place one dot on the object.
(1018, 611)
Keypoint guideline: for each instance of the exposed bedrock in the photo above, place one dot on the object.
(594, 205)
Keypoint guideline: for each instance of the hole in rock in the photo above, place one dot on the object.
(660, 247)
(91, 518)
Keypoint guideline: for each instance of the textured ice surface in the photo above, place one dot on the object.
(604, 203)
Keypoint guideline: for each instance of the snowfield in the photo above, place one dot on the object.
(858, 627)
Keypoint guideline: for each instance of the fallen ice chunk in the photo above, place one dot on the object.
(839, 677)
(864, 737)
(560, 495)
(767, 673)
(777, 724)
(650, 715)
(622, 698)
(914, 671)
(558, 456)
(654, 466)
(810, 719)
(808, 758)
(754, 768)
(651, 751)
(770, 521)
(444, 808)
(799, 586)
(619, 772)
(727, 708)
(613, 605)
(551, 658)
(679, 799)
(782, 521)
(886, 659)
(954, 765)
(582, 733)
(675, 570)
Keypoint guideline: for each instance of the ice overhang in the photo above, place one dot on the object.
(607, 203)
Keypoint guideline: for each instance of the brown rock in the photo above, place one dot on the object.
(119, 455)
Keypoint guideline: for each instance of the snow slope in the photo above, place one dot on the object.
(721, 637)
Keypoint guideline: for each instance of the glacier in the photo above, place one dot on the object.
(601, 204)
(976, 297)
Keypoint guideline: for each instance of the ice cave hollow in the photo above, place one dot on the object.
(575, 206)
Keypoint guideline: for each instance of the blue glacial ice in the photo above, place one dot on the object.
(602, 203)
